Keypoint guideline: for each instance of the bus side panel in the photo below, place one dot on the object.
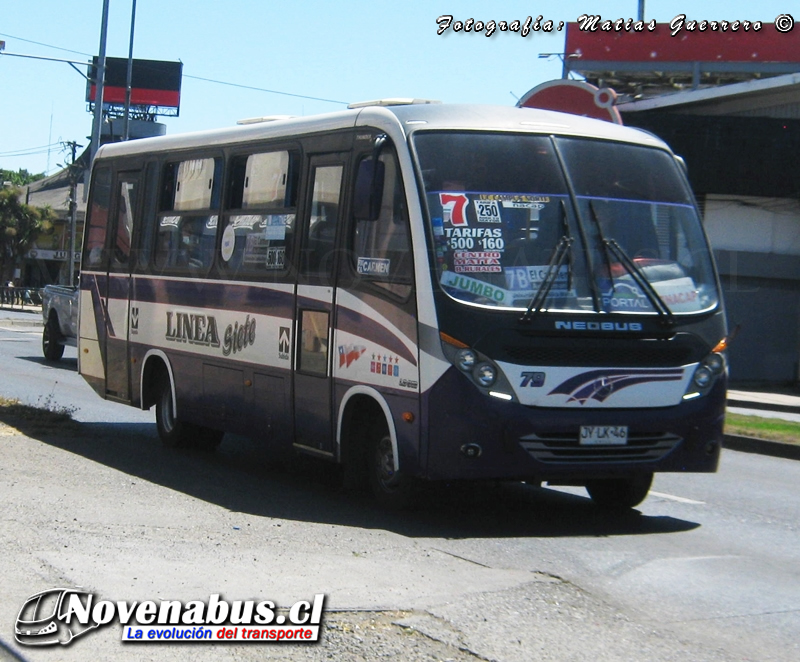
(228, 348)
(271, 410)
(91, 329)
(117, 355)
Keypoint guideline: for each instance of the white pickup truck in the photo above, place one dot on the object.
(60, 313)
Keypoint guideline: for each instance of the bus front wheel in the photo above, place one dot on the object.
(392, 488)
(620, 493)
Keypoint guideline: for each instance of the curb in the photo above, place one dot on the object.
(768, 406)
(20, 322)
(761, 446)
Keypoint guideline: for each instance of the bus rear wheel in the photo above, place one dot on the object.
(620, 493)
(180, 434)
(170, 429)
(391, 487)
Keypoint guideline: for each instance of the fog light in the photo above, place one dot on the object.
(471, 451)
(484, 374)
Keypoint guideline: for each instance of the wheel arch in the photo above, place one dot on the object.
(360, 400)
(155, 362)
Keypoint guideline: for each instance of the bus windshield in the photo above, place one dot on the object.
(567, 224)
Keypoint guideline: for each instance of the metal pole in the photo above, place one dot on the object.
(73, 214)
(641, 10)
(97, 125)
(126, 133)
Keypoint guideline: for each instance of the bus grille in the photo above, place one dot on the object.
(565, 449)
(650, 354)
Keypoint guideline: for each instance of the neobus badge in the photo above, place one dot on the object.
(599, 326)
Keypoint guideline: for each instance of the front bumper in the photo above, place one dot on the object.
(532, 443)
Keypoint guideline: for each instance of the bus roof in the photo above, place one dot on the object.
(403, 118)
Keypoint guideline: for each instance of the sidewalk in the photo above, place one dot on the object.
(28, 316)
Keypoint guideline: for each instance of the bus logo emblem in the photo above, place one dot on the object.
(284, 343)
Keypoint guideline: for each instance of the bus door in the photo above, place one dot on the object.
(313, 384)
(118, 284)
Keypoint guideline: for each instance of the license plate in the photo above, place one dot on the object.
(604, 435)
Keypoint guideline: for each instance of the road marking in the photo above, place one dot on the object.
(672, 497)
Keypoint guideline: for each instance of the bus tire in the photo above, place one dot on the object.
(392, 489)
(173, 433)
(620, 493)
(52, 348)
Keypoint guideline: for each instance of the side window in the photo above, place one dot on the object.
(188, 217)
(314, 342)
(382, 248)
(126, 201)
(259, 225)
(318, 252)
(97, 223)
(149, 217)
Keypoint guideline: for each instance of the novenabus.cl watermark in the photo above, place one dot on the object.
(57, 616)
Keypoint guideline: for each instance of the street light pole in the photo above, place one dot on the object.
(126, 132)
(97, 124)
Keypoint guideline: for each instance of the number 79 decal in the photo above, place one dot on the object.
(532, 379)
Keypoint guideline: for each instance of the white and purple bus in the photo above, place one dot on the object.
(416, 291)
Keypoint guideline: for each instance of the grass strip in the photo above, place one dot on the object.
(774, 429)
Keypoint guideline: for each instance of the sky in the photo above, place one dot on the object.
(305, 57)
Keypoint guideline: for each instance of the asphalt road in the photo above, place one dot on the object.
(708, 568)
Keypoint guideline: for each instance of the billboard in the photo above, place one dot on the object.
(675, 42)
(153, 82)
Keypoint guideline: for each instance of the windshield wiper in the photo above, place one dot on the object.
(611, 246)
(641, 280)
(563, 250)
(596, 221)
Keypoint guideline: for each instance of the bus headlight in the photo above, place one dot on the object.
(702, 376)
(710, 368)
(715, 362)
(484, 374)
(466, 359)
(478, 368)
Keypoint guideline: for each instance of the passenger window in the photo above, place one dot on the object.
(126, 201)
(324, 217)
(97, 225)
(314, 342)
(259, 228)
(187, 224)
(149, 219)
(382, 248)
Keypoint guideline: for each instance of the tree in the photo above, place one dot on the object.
(20, 224)
(19, 178)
